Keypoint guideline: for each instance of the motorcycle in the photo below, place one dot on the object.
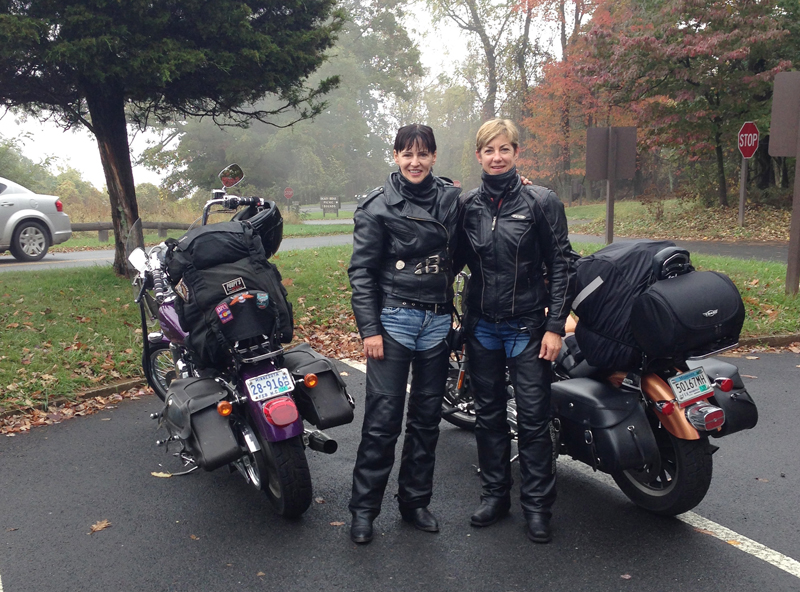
(245, 411)
(649, 429)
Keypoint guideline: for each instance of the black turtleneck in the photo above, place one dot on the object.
(422, 194)
(496, 186)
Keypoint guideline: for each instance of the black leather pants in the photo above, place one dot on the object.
(531, 379)
(383, 422)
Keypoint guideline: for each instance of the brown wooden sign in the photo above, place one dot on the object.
(329, 205)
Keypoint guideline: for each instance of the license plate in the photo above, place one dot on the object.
(690, 386)
(270, 385)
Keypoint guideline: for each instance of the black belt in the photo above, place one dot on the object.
(442, 308)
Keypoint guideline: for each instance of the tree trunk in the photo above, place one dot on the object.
(723, 189)
(764, 175)
(566, 163)
(107, 109)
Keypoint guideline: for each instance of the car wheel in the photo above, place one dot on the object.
(30, 241)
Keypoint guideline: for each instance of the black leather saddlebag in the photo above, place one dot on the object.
(688, 315)
(602, 426)
(326, 405)
(191, 414)
(740, 410)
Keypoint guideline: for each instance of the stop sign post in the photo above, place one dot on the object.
(288, 193)
(748, 144)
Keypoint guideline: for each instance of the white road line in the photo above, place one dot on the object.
(1, 585)
(703, 525)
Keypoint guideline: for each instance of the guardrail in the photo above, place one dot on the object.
(102, 228)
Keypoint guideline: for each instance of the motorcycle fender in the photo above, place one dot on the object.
(271, 433)
(656, 389)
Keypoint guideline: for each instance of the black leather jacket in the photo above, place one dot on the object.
(505, 252)
(402, 251)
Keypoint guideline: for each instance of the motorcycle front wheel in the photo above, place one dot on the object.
(284, 475)
(458, 407)
(161, 364)
(679, 484)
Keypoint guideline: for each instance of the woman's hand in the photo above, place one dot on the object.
(373, 347)
(525, 180)
(551, 345)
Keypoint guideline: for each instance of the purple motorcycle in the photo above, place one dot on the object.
(232, 395)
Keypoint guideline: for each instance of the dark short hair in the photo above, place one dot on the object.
(416, 133)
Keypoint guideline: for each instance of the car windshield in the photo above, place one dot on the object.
(7, 186)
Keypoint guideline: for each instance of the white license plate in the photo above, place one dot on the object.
(270, 385)
(690, 386)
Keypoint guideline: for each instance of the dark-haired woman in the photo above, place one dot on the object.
(401, 276)
(508, 233)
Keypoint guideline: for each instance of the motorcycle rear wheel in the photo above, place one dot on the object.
(284, 475)
(161, 364)
(682, 481)
(458, 407)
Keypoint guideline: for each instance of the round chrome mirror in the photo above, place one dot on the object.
(231, 175)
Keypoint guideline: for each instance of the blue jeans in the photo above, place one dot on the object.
(511, 335)
(417, 330)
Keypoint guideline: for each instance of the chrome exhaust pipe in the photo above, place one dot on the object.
(321, 442)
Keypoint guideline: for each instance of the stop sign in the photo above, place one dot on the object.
(288, 193)
(748, 139)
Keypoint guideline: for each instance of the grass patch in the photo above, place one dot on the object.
(64, 331)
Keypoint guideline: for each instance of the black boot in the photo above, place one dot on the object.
(361, 528)
(539, 527)
(415, 480)
(490, 511)
(421, 518)
(488, 384)
(383, 422)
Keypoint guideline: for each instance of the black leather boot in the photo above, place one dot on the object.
(488, 382)
(539, 530)
(415, 480)
(421, 518)
(361, 527)
(490, 511)
(383, 422)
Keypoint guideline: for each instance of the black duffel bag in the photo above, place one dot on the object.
(688, 315)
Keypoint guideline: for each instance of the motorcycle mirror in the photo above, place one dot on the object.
(231, 175)
(138, 260)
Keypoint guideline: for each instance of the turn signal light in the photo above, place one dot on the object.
(281, 412)
(224, 408)
(666, 407)
(724, 384)
(310, 380)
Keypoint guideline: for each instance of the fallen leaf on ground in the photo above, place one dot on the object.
(319, 500)
(194, 537)
(98, 526)
(748, 376)
(762, 480)
(704, 531)
(260, 574)
(160, 474)
(751, 357)
(11, 529)
(734, 543)
(337, 523)
(626, 576)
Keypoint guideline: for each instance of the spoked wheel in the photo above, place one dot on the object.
(679, 484)
(458, 407)
(162, 369)
(284, 475)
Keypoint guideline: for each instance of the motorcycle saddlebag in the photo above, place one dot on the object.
(688, 315)
(190, 412)
(608, 282)
(602, 426)
(326, 405)
(740, 410)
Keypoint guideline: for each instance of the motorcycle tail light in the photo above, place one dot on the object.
(705, 417)
(224, 408)
(281, 412)
(59, 206)
(724, 384)
(310, 380)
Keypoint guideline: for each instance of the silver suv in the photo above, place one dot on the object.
(29, 222)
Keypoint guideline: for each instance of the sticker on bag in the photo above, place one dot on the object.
(224, 312)
(234, 286)
(262, 299)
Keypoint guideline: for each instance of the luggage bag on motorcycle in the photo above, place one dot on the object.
(190, 413)
(740, 410)
(327, 405)
(208, 265)
(608, 282)
(688, 315)
(602, 426)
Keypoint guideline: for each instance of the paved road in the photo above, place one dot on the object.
(209, 531)
(759, 251)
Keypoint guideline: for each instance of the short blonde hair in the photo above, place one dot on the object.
(497, 127)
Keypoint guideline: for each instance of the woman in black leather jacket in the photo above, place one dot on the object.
(508, 235)
(401, 276)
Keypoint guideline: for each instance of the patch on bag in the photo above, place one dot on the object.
(241, 298)
(711, 313)
(234, 286)
(262, 299)
(224, 312)
(182, 290)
